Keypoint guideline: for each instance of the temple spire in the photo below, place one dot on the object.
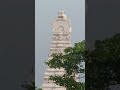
(62, 15)
(61, 11)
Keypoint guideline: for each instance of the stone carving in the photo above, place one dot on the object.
(60, 41)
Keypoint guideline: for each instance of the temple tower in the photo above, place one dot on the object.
(61, 39)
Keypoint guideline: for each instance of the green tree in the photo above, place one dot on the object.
(71, 62)
(30, 86)
(103, 64)
(39, 89)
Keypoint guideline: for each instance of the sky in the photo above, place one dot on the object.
(45, 12)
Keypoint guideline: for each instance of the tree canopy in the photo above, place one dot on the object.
(30, 86)
(71, 62)
(103, 64)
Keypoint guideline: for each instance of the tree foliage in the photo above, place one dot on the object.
(71, 62)
(103, 64)
(30, 86)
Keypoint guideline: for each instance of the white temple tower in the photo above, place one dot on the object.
(61, 39)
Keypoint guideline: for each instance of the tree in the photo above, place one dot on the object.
(71, 62)
(103, 64)
(30, 86)
(39, 89)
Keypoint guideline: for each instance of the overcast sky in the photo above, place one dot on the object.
(45, 12)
